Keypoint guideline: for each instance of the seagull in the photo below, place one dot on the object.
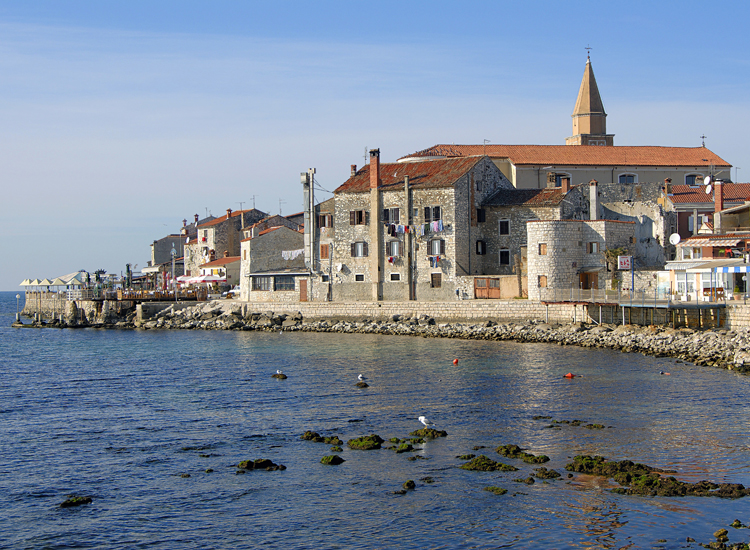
(361, 378)
(426, 422)
(278, 371)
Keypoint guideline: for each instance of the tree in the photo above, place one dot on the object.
(611, 254)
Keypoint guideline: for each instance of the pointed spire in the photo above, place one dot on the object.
(589, 117)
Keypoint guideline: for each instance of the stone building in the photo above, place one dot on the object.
(589, 154)
(406, 231)
(273, 267)
(567, 254)
(218, 238)
(227, 267)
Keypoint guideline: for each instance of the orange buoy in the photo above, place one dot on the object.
(455, 361)
(570, 375)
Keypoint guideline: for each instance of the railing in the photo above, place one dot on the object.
(82, 294)
(161, 295)
(637, 298)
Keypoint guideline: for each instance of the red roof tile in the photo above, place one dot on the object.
(221, 261)
(582, 155)
(733, 192)
(217, 221)
(422, 175)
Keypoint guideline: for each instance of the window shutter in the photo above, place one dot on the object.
(442, 245)
(354, 249)
(480, 215)
(395, 215)
(367, 217)
(352, 217)
(427, 214)
(436, 213)
(385, 215)
(364, 248)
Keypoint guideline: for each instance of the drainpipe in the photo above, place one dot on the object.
(376, 228)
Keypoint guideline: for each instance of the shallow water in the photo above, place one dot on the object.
(120, 415)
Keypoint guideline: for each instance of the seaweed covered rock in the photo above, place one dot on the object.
(429, 433)
(485, 464)
(642, 480)
(260, 464)
(279, 376)
(495, 490)
(312, 436)
(404, 448)
(332, 460)
(544, 473)
(363, 385)
(365, 442)
(514, 451)
(74, 500)
(409, 485)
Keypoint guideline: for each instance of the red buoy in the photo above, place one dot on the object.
(570, 375)
(455, 361)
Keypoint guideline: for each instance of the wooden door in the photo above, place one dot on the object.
(303, 290)
(480, 289)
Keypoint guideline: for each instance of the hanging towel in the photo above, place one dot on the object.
(435, 226)
(291, 254)
(440, 225)
(399, 229)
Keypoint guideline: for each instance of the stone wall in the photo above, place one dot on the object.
(568, 254)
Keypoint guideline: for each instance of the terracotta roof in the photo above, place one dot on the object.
(269, 230)
(526, 197)
(581, 155)
(425, 174)
(217, 221)
(733, 192)
(221, 261)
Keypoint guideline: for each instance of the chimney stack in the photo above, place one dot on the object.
(229, 213)
(226, 253)
(718, 196)
(354, 169)
(196, 219)
(565, 184)
(374, 168)
(594, 200)
(184, 223)
(668, 186)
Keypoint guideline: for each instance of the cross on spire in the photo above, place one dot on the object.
(588, 52)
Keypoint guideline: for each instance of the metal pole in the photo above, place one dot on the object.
(18, 314)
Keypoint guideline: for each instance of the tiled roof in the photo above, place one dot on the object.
(217, 221)
(527, 197)
(222, 261)
(581, 155)
(422, 175)
(733, 192)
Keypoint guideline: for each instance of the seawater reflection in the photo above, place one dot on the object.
(121, 415)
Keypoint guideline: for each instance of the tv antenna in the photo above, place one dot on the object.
(703, 138)
(365, 155)
(254, 201)
(280, 203)
(240, 203)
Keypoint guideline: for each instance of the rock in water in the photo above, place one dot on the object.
(332, 460)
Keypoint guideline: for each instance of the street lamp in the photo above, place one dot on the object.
(174, 283)
(18, 315)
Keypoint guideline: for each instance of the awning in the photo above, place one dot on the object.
(744, 268)
(591, 269)
(708, 242)
(683, 266)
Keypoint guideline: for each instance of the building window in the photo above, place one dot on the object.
(542, 249)
(437, 247)
(504, 256)
(436, 280)
(324, 278)
(393, 248)
(481, 248)
(504, 227)
(481, 215)
(325, 251)
(284, 282)
(542, 281)
(627, 178)
(693, 179)
(390, 215)
(593, 248)
(562, 178)
(432, 214)
(359, 217)
(395, 276)
(261, 283)
(244, 254)
(325, 220)
(359, 249)
(359, 277)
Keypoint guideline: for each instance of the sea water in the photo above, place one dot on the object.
(123, 417)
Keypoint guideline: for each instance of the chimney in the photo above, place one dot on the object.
(565, 184)
(196, 219)
(668, 186)
(229, 213)
(354, 169)
(184, 223)
(594, 200)
(551, 180)
(374, 168)
(226, 253)
(718, 196)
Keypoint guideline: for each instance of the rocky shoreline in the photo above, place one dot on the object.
(723, 348)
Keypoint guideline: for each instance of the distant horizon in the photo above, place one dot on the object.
(120, 121)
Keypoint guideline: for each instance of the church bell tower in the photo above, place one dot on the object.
(589, 118)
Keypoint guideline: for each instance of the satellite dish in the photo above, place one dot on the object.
(674, 239)
(187, 240)
(708, 189)
(707, 180)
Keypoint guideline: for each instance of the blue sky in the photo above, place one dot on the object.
(118, 120)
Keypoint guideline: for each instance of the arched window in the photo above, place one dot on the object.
(693, 179)
(627, 177)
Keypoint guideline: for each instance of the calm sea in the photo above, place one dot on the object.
(121, 415)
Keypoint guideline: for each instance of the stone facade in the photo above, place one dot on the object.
(562, 250)
(371, 261)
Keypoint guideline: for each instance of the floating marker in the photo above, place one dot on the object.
(570, 375)
(455, 361)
